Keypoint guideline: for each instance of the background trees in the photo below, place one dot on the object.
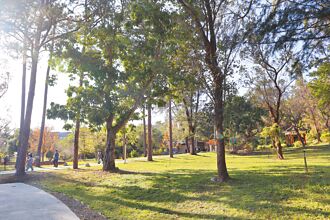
(49, 142)
(125, 56)
(243, 120)
(220, 49)
(119, 67)
(320, 87)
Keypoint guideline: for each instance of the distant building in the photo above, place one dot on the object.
(63, 134)
(291, 135)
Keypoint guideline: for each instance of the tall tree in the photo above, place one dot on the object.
(302, 21)
(43, 116)
(144, 131)
(24, 59)
(119, 80)
(33, 21)
(274, 72)
(210, 21)
(149, 151)
(170, 130)
(320, 88)
(243, 117)
(294, 111)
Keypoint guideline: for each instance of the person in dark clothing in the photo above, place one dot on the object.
(5, 161)
(56, 158)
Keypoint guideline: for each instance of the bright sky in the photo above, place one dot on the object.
(11, 102)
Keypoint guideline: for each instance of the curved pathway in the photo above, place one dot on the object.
(21, 201)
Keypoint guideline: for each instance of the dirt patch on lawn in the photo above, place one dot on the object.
(34, 179)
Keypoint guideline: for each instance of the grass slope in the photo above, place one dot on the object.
(261, 187)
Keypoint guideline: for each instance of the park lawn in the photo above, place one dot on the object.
(261, 187)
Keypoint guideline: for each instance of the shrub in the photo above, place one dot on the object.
(49, 154)
(311, 138)
(325, 136)
(134, 153)
(248, 148)
(158, 151)
(297, 144)
(264, 147)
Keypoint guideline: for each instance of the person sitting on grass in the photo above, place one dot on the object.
(29, 162)
(56, 157)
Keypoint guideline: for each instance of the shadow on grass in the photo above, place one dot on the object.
(310, 150)
(248, 191)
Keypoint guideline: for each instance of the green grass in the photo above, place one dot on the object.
(8, 167)
(261, 187)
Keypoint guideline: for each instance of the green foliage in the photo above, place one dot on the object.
(242, 117)
(311, 138)
(63, 112)
(11, 141)
(325, 136)
(264, 147)
(158, 151)
(65, 146)
(297, 144)
(118, 64)
(273, 131)
(320, 85)
(128, 134)
(49, 154)
(134, 153)
(91, 141)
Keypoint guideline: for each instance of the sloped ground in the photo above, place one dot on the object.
(261, 187)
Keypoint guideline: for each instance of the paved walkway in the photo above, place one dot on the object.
(37, 169)
(20, 201)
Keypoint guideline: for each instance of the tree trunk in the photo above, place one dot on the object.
(149, 134)
(22, 100)
(144, 132)
(43, 118)
(77, 130)
(170, 127)
(301, 139)
(189, 115)
(305, 162)
(279, 150)
(318, 133)
(318, 136)
(76, 144)
(109, 157)
(218, 110)
(125, 148)
(187, 144)
(192, 139)
(21, 158)
(304, 147)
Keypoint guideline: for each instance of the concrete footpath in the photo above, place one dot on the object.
(37, 169)
(20, 201)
